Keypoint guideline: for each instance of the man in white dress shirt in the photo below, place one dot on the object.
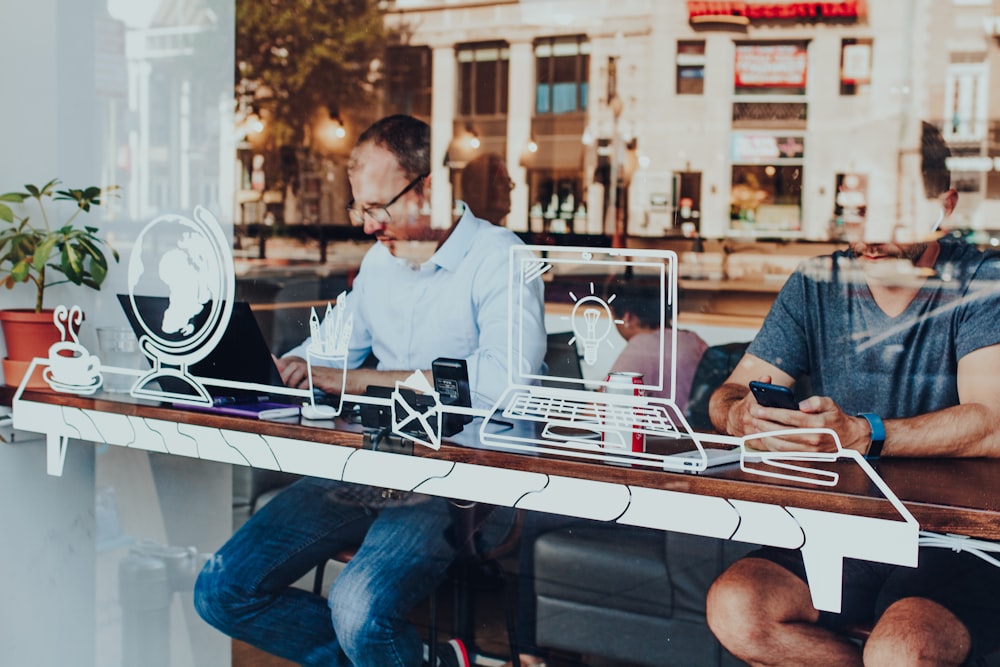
(421, 293)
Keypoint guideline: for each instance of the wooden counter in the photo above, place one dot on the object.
(852, 518)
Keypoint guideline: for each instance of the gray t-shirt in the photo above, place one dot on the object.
(826, 324)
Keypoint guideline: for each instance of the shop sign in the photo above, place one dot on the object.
(725, 12)
(764, 147)
(770, 65)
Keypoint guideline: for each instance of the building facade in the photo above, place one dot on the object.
(724, 119)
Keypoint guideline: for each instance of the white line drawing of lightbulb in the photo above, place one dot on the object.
(591, 321)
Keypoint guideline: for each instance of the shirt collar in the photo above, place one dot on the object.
(459, 243)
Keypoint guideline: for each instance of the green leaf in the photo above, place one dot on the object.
(20, 271)
(16, 197)
(49, 187)
(98, 271)
(6, 214)
(43, 252)
(71, 264)
(33, 191)
(88, 246)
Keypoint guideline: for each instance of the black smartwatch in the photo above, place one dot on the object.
(878, 435)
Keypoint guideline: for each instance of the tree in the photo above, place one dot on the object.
(295, 57)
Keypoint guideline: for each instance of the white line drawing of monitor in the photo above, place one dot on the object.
(580, 417)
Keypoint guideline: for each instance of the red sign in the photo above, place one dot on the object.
(770, 65)
(700, 11)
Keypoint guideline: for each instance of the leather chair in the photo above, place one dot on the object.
(635, 594)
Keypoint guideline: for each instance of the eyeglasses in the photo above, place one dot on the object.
(379, 214)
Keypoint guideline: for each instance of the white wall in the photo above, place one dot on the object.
(59, 573)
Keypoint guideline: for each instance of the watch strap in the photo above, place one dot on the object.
(878, 435)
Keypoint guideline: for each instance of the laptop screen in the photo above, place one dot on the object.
(242, 354)
(581, 286)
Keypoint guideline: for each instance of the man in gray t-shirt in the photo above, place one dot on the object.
(902, 350)
(825, 324)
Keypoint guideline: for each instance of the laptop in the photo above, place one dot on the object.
(557, 409)
(562, 357)
(238, 373)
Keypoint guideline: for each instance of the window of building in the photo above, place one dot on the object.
(965, 101)
(482, 79)
(766, 193)
(770, 68)
(690, 67)
(408, 75)
(562, 72)
(855, 66)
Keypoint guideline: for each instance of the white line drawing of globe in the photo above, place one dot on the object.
(189, 261)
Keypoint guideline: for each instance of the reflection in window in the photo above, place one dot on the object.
(770, 68)
(483, 71)
(966, 98)
(408, 80)
(766, 197)
(562, 68)
(690, 67)
(855, 66)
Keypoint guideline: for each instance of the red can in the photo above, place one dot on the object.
(622, 420)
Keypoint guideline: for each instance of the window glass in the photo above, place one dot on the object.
(482, 79)
(561, 75)
(855, 65)
(690, 68)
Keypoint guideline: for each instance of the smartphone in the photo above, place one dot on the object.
(773, 395)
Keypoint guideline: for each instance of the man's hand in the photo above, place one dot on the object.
(814, 412)
(294, 371)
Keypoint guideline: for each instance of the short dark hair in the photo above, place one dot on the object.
(635, 296)
(934, 154)
(407, 138)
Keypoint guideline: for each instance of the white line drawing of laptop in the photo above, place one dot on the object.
(576, 418)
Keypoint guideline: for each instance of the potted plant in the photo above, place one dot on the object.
(33, 246)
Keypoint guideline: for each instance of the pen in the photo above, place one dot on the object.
(219, 401)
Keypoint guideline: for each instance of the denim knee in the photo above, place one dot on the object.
(218, 601)
(364, 623)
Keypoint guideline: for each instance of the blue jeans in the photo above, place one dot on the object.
(246, 589)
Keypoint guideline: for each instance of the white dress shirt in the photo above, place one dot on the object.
(453, 305)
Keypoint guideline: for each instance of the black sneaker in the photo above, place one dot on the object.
(449, 654)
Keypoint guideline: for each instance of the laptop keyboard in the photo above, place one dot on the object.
(654, 418)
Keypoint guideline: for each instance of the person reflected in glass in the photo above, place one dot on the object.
(486, 187)
(648, 347)
(422, 292)
(898, 336)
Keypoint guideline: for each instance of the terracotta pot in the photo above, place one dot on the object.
(28, 334)
(13, 373)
